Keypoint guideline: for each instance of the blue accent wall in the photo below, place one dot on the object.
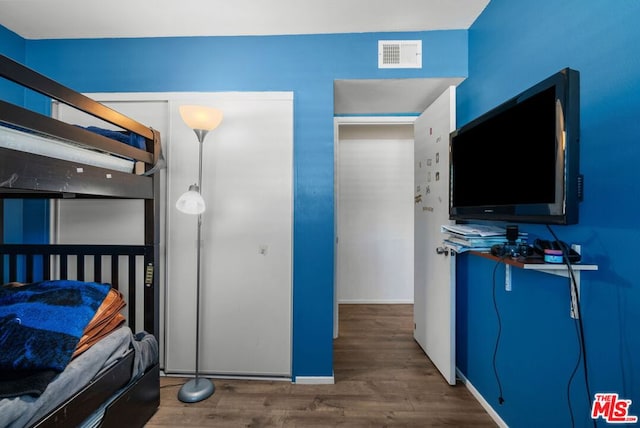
(24, 221)
(306, 65)
(12, 46)
(512, 46)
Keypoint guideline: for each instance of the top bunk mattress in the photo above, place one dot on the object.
(21, 141)
(47, 157)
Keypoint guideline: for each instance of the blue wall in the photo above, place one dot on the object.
(24, 221)
(512, 46)
(306, 65)
(12, 46)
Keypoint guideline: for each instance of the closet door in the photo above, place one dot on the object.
(246, 255)
(247, 251)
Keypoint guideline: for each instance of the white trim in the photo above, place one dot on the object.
(106, 97)
(314, 380)
(484, 403)
(376, 302)
(371, 120)
(214, 377)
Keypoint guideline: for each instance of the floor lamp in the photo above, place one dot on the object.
(202, 120)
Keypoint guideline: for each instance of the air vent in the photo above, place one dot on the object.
(400, 54)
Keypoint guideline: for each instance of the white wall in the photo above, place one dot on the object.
(374, 260)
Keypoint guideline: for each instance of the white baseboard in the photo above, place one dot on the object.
(213, 377)
(484, 403)
(314, 380)
(376, 302)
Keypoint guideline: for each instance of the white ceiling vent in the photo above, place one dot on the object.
(399, 53)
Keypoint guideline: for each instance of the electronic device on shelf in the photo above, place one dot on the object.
(520, 161)
(541, 247)
(509, 250)
(512, 248)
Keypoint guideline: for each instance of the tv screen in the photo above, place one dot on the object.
(519, 161)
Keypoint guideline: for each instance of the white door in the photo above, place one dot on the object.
(246, 293)
(434, 267)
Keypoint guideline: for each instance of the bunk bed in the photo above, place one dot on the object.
(123, 388)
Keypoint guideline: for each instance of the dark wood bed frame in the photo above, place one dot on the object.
(25, 175)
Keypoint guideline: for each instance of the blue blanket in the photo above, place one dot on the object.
(129, 138)
(42, 322)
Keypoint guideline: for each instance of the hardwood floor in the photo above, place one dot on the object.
(382, 379)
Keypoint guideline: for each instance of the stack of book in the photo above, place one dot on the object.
(476, 237)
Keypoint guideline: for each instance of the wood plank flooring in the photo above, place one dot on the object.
(382, 379)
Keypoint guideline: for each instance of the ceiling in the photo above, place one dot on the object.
(62, 19)
(73, 19)
(388, 96)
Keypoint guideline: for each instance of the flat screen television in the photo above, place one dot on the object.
(519, 162)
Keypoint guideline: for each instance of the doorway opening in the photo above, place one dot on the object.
(434, 292)
(374, 211)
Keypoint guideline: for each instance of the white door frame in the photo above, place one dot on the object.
(337, 123)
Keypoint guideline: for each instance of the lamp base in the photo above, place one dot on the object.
(195, 390)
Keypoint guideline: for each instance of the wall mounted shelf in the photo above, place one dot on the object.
(538, 264)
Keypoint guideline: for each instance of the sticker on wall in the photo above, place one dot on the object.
(438, 157)
(429, 162)
(430, 209)
(427, 190)
(437, 175)
(428, 176)
(418, 199)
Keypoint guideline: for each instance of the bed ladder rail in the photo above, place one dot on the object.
(36, 262)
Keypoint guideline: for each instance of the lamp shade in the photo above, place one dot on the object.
(201, 117)
(191, 201)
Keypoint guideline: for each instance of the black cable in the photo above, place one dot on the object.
(578, 322)
(573, 373)
(495, 349)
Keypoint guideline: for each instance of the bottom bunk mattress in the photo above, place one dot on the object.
(139, 351)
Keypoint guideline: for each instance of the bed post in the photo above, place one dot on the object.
(2, 240)
(2, 221)
(152, 242)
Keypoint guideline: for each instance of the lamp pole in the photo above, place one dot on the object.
(201, 120)
(197, 389)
